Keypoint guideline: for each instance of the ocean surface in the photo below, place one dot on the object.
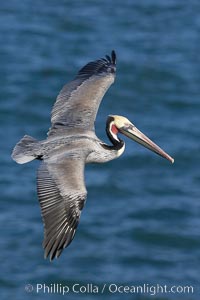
(141, 222)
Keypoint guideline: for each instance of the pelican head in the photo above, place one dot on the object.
(119, 124)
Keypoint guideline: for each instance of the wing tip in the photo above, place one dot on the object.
(113, 57)
(53, 250)
(102, 65)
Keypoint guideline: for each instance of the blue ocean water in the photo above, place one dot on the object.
(141, 222)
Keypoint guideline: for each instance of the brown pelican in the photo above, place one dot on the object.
(71, 143)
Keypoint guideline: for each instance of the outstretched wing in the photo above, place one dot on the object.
(78, 102)
(62, 194)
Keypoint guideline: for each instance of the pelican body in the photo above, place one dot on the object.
(70, 144)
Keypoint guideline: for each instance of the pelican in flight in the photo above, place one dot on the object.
(70, 144)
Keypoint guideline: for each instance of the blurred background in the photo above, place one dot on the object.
(141, 222)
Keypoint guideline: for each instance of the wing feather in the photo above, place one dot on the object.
(78, 102)
(61, 200)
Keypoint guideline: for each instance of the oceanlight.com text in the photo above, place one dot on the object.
(112, 288)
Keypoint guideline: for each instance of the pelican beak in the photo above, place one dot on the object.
(129, 130)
